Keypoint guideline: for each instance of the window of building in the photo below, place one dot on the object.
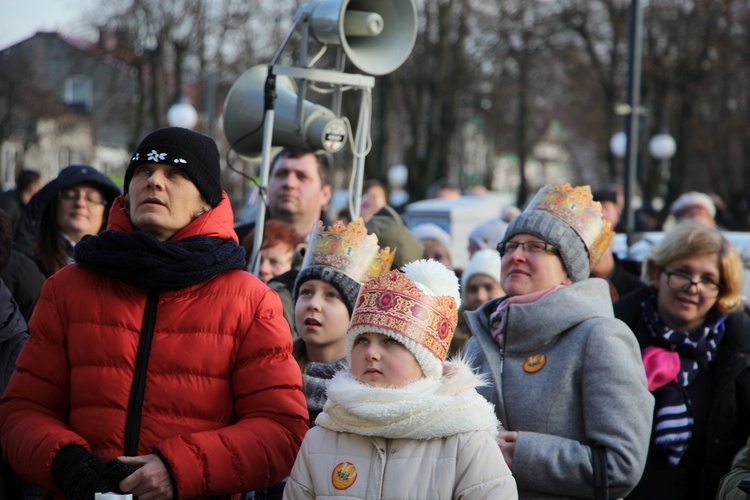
(79, 92)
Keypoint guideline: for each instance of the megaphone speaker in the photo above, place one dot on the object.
(244, 112)
(376, 35)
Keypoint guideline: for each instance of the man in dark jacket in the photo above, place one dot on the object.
(28, 182)
(299, 190)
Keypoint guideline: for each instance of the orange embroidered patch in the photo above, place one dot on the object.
(344, 475)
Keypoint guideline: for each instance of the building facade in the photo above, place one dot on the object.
(64, 101)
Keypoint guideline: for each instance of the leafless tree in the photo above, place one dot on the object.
(507, 70)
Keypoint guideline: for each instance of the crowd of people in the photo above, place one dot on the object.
(147, 351)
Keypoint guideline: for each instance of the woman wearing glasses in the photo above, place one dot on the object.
(72, 205)
(695, 342)
(565, 376)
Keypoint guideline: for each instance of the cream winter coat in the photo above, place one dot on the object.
(427, 440)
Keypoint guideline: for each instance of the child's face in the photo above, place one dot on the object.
(322, 318)
(381, 361)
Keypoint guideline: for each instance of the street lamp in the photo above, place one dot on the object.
(617, 144)
(398, 175)
(634, 102)
(182, 114)
(662, 147)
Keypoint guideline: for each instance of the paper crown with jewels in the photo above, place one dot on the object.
(418, 307)
(348, 249)
(576, 207)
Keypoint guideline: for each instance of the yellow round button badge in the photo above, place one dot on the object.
(534, 363)
(344, 475)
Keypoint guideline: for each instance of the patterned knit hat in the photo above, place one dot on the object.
(572, 221)
(344, 256)
(418, 307)
(193, 153)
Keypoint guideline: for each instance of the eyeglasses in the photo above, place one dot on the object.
(76, 194)
(535, 247)
(681, 282)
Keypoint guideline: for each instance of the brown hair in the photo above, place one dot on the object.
(324, 162)
(299, 351)
(275, 232)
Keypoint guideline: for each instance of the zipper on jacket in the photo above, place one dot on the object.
(135, 406)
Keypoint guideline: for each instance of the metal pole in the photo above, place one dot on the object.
(265, 166)
(210, 101)
(363, 133)
(631, 119)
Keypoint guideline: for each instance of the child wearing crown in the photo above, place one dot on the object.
(338, 260)
(401, 422)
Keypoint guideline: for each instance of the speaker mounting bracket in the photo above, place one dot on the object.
(326, 76)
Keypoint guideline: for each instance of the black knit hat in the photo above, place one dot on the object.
(347, 287)
(195, 154)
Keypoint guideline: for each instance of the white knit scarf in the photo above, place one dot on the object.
(425, 409)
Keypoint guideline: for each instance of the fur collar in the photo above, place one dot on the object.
(425, 409)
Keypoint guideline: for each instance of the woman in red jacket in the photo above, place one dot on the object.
(157, 366)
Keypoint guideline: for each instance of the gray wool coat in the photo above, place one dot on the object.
(570, 376)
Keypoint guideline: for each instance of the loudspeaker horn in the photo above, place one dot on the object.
(376, 35)
(320, 129)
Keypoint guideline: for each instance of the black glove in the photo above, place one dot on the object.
(115, 471)
(81, 474)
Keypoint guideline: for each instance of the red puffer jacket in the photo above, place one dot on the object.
(221, 398)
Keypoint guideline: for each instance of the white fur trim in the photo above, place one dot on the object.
(425, 409)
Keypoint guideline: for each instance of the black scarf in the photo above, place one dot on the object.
(142, 261)
(673, 420)
(316, 379)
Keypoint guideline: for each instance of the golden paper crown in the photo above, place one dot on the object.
(577, 208)
(349, 250)
(392, 304)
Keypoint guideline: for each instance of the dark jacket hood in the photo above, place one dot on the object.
(73, 175)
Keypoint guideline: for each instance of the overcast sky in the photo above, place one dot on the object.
(20, 19)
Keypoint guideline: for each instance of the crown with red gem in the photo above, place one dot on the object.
(418, 307)
(576, 207)
(348, 249)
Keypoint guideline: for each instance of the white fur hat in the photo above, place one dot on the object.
(418, 307)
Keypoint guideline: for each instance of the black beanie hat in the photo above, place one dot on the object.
(347, 287)
(195, 154)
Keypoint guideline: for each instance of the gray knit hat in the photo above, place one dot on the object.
(554, 231)
(568, 218)
(195, 154)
